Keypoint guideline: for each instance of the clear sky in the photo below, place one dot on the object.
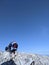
(27, 23)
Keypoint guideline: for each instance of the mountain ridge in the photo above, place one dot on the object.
(21, 58)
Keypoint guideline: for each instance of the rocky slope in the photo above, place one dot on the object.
(23, 59)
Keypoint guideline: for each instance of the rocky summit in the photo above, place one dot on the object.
(23, 59)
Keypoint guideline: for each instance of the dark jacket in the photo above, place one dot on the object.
(11, 48)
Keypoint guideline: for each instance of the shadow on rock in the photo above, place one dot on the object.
(11, 62)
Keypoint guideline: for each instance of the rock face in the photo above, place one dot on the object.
(23, 59)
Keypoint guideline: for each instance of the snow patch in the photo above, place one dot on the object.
(23, 59)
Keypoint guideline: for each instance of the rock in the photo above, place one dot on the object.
(23, 59)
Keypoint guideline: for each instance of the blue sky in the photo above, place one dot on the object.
(27, 23)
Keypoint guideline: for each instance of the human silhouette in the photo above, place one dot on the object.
(12, 47)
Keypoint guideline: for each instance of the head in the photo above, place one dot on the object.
(15, 45)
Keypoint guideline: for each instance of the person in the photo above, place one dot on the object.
(12, 47)
(15, 46)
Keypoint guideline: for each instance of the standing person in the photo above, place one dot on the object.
(12, 47)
